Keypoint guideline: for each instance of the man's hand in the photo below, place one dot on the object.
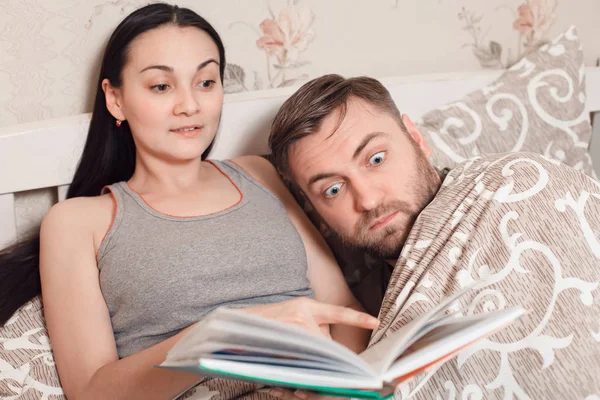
(313, 315)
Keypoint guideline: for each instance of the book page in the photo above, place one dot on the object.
(235, 329)
(381, 355)
(284, 362)
(447, 338)
(217, 346)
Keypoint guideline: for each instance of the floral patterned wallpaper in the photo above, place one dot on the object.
(533, 20)
(282, 37)
(49, 50)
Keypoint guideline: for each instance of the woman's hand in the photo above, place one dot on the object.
(313, 315)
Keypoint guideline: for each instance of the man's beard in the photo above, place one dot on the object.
(387, 241)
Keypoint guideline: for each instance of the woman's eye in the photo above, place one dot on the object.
(333, 191)
(377, 158)
(162, 87)
(207, 83)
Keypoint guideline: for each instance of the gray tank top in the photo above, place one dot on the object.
(160, 274)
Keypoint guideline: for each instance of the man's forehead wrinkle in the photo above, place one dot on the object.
(307, 150)
(345, 126)
(295, 153)
(342, 130)
(316, 156)
(343, 116)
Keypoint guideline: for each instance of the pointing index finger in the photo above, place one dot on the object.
(333, 314)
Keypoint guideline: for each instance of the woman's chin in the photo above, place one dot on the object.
(183, 156)
(189, 151)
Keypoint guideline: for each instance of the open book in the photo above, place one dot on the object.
(236, 345)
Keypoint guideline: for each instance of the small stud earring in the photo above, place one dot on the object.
(119, 123)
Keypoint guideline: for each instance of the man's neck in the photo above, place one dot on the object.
(442, 174)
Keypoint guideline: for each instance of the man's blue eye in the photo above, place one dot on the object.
(377, 158)
(333, 191)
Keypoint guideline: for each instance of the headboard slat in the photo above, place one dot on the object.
(592, 89)
(8, 224)
(62, 192)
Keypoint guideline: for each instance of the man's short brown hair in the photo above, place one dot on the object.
(303, 113)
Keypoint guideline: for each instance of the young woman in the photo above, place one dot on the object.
(153, 236)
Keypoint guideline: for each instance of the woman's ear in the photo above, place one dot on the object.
(113, 100)
(416, 135)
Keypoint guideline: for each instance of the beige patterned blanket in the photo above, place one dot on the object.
(531, 229)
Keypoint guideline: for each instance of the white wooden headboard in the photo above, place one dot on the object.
(44, 154)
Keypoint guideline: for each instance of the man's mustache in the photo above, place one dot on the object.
(369, 217)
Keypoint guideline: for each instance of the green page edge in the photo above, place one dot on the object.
(319, 389)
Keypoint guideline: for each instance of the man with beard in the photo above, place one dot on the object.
(524, 226)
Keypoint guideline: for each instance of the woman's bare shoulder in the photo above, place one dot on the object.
(260, 169)
(81, 213)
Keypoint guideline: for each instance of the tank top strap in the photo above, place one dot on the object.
(116, 192)
(242, 178)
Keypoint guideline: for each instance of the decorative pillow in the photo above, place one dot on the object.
(27, 368)
(538, 105)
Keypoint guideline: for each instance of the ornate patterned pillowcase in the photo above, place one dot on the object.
(538, 105)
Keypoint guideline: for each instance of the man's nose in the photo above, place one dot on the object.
(367, 194)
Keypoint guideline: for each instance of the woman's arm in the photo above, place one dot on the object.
(78, 321)
(79, 324)
(324, 273)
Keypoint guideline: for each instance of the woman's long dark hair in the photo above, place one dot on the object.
(109, 153)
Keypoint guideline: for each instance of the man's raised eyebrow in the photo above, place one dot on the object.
(315, 178)
(365, 142)
(166, 68)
